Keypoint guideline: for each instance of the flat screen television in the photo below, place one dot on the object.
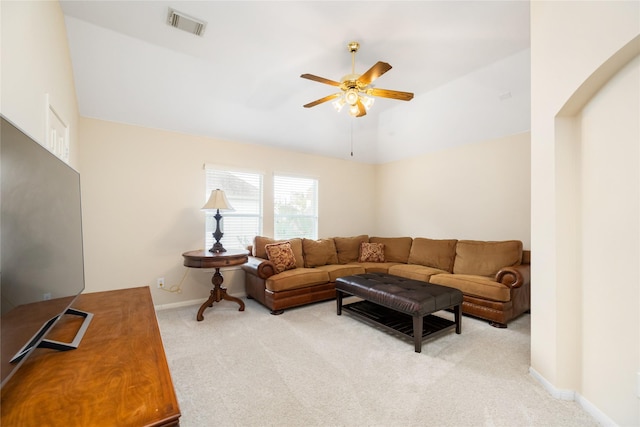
(41, 251)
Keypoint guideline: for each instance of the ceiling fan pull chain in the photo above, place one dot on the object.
(351, 121)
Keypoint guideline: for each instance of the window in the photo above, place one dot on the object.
(295, 203)
(244, 193)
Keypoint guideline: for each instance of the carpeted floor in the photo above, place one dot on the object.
(310, 367)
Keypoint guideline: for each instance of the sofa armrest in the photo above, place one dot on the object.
(259, 267)
(514, 277)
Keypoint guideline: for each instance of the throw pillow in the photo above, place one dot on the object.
(281, 255)
(259, 243)
(371, 252)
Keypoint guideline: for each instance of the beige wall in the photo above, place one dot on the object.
(584, 154)
(610, 172)
(478, 192)
(36, 62)
(143, 190)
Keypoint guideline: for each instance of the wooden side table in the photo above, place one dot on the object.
(202, 258)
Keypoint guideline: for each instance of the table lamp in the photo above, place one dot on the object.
(217, 201)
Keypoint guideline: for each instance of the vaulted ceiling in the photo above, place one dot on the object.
(467, 62)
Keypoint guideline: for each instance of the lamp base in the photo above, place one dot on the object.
(217, 248)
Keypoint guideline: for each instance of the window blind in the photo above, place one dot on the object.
(295, 202)
(244, 193)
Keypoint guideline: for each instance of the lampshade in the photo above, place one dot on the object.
(367, 101)
(351, 96)
(217, 200)
(338, 104)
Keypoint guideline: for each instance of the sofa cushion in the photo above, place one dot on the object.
(340, 270)
(259, 243)
(396, 249)
(281, 255)
(296, 278)
(486, 258)
(376, 267)
(371, 252)
(439, 254)
(348, 248)
(319, 252)
(475, 286)
(414, 271)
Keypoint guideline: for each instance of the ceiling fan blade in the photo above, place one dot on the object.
(320, 79)
(361, 110)
(321, 100)
(393, 94)
(373, 73)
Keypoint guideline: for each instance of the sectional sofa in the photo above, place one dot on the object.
(494, 277)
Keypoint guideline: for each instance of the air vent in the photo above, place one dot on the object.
(185, 22)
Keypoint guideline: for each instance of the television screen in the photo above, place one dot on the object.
(41, 252)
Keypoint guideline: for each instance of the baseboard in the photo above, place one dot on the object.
(160, 307)
(560, 394)
(190, 302)
(553, 391)
(596, 413)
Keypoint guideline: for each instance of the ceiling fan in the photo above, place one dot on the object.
(357, 90)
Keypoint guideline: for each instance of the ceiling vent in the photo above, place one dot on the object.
(185, 22)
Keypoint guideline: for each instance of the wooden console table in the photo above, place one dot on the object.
(205, 259)
(118, 376)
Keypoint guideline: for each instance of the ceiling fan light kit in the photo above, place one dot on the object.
(357, 90)
(351, 96)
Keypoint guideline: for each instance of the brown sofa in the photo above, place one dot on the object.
(493, 276)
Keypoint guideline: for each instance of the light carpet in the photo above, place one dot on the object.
(310, 367)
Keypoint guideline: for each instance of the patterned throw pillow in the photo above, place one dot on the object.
(281, 255)
(371, 252)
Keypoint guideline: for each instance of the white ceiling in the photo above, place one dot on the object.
(466, 61)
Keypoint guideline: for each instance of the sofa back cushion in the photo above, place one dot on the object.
(259, 243)
(319, 252)
(486, 258)
(396, 249)
(433, 253)
(348, 248)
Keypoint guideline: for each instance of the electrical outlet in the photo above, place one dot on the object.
(46, 297)
(161, 282)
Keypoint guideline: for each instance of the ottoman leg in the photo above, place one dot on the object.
(457, 310)
(417, 333)
(338, 302)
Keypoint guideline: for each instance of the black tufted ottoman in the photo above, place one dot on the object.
(399, 304)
